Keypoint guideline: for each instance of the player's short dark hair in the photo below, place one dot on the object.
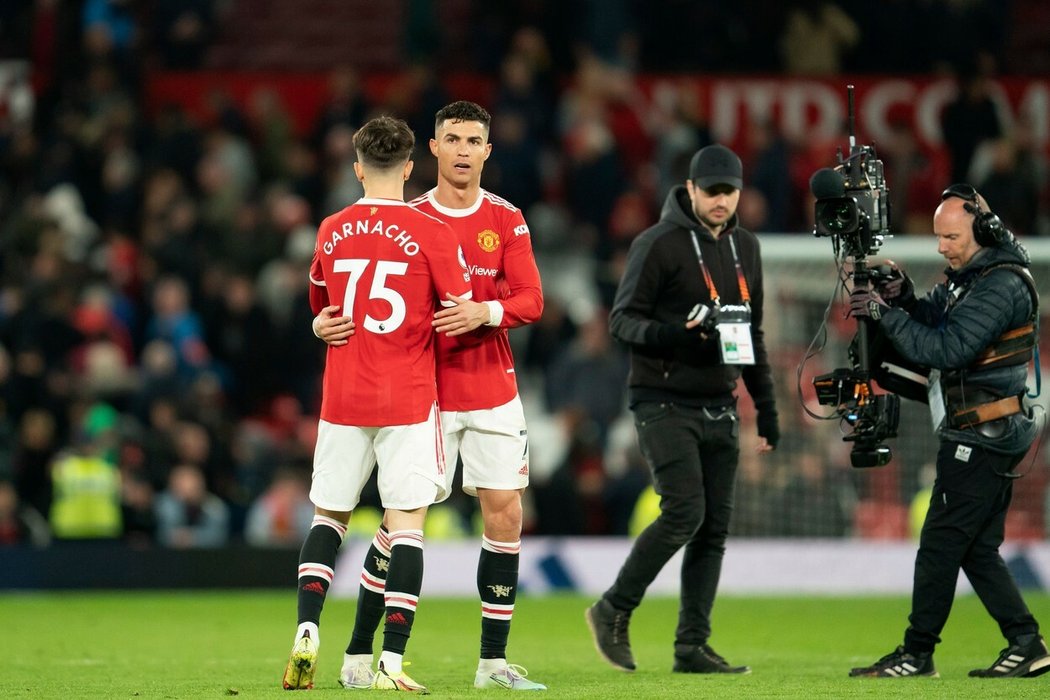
(384, 142)
(462, 111)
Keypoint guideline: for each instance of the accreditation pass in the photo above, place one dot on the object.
(734, 339)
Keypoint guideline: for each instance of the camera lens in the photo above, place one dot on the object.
(840, 217)
(837, 216)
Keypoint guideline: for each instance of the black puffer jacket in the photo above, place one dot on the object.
(661, 285)
(937, 334)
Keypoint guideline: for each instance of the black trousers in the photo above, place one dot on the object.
(963, 530)
(693, 454)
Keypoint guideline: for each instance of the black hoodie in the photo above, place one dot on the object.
(662, 283)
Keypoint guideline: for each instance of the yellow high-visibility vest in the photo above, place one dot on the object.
(86, 501)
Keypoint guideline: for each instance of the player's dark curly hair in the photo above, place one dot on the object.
(384, 142)
(462, 111)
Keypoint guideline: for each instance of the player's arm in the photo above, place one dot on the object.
(524, 302)
(448, 269)
(328, 324)
(521, 305)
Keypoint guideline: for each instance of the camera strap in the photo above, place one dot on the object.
(708, 280)
(734, 321)
(741, 281)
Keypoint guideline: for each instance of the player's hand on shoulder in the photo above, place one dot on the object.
(332, 328)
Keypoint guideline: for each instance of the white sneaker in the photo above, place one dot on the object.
(510, 677)
(355, 674)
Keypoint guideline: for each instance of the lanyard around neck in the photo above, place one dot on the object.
(745, 295)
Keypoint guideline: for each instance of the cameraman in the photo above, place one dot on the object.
(976, 332)
(690, 308)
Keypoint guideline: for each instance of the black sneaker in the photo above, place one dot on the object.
(703, 659)
(1017, 661)
(898, 664)
(609, 630)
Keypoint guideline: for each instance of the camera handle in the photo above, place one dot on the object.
(862, 277)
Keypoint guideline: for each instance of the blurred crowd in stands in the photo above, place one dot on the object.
(158, 378)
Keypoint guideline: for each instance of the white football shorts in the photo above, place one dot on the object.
(494, 444)
(410, 460)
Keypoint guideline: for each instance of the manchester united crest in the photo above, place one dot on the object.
(488, 240)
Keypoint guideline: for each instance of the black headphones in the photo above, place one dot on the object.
(988, 229)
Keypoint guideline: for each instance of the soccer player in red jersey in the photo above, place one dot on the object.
(481, 414)
(387, 267)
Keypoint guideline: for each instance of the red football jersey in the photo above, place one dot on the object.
(388, 266)
(495, 241)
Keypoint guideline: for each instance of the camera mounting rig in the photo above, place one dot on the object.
(852, 208)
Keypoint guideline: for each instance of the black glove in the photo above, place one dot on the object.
(866, 303)
(898, 290)
(768, 426)
(677, 335)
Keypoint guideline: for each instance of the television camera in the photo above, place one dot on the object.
(852, 208)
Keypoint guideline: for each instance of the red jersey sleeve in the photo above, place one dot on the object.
(318, 289)
(448, 267)
(522, 297)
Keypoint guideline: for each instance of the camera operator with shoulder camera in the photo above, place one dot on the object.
(975, 332)
(689, 306)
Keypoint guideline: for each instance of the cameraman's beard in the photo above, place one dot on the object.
(713, 226)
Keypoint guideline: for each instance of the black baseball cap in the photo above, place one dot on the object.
(716, 165)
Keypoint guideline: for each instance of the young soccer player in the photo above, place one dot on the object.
(387, 267)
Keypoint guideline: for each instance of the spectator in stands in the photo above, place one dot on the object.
(175, 321)
(346, 104)
(183, 30)
(86, 483)
(514, 167)
(283, 514)
(968, 120)
(769, 161)
(188, 515)
(38, 442)
(682, 392)
(965, 331)
(111, 34)
(680, 129)
(137, 507)
(239, 333)
(913, 173)
(817, 36)
(596, 172)
(588, 376)
(19, 523)
(1012, 180)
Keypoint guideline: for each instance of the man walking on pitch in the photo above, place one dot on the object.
(388, 266)
(690, 308)
(975, 333)
(481, 413)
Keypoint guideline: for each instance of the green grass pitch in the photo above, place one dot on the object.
(219, 644)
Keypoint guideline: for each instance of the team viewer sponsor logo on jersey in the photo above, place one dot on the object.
(483, 271)
(488, 240)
